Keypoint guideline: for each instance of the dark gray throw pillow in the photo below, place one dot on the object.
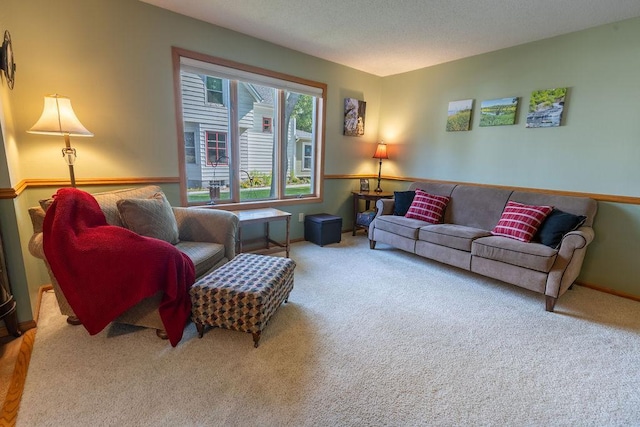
(556, 225)
(402, 201)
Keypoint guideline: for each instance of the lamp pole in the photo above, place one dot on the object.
(378, 189)
(69, 155)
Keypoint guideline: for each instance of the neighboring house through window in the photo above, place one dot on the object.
(307, 157)
(250, 119)
(217, 149)
(214, 90)
(190, 147)
(266, 124)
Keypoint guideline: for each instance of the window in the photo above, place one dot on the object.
(266, 124)
(263, 143)
(214, 90)
(217, 149)
(307, 156)
(190, 147)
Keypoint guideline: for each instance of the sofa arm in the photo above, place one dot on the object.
(208, 225)
(577, 239)
(384, 207)
(566, 268)
(35, 243)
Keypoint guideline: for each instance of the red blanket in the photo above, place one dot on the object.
(104, 270)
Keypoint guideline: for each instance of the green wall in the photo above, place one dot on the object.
(597, 150)
(113, 59)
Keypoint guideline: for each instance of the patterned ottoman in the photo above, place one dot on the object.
(243, 294)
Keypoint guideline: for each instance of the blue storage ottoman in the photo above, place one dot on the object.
(322, 229)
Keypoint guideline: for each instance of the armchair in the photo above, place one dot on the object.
(206, 236)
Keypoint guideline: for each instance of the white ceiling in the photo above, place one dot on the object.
(386, 37)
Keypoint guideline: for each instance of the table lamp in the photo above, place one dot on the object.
(58, 118)
(381, 153)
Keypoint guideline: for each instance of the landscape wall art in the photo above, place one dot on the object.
(459, 115)
(546, 108)
(498, 112)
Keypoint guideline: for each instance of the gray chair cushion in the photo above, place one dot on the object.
(204, 255)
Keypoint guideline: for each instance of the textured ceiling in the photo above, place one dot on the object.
(390, 37)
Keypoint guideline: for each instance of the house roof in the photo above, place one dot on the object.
(385, 37)
(265, 93)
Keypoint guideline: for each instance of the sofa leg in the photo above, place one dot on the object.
(73, 320)
(551, 302)
(162, 334)
(372, 244)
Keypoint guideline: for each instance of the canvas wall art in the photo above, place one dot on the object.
(459, 115)
(498, 112)
(546, 108)
(354, 115)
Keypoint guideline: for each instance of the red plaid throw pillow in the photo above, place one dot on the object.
(427, 207)
(520, 221)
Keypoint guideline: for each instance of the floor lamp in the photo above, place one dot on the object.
(381, 153)
(58, 118)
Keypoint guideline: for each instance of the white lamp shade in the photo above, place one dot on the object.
(58, 118)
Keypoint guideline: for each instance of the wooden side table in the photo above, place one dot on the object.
(265, 216)
(368, 197)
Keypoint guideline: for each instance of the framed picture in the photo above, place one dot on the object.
(364, 185)
(459, 115)
(498, 112)
(354, 114)
(546, 108)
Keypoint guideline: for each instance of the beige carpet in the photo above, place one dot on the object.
(368, 338)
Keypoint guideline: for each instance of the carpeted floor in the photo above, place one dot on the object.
(368, 338)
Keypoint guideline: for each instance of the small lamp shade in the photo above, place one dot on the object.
(381, 151)
(58, 118)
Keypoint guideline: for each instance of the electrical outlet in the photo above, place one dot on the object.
(301, 217)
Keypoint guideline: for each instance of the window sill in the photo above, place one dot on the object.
(261, 204)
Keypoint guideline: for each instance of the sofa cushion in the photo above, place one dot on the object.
(571, 204)
(534, 256)
(108, 200)
(451, 235)
(205, 255)
(400, 225)
(427, 207)
(519, 221)
(402, 201)
(150, 217)
(476, 206)
(556, 225)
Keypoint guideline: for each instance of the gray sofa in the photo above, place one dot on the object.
(464, 238)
